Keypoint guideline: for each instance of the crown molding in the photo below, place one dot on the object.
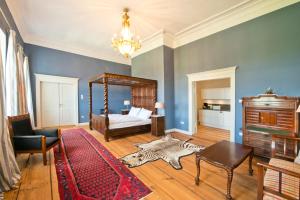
(62, 46)
(238, 14)
(155, 40)
(245, 11)
(17, 18)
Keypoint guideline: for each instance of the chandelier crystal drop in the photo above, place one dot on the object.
(126, 43)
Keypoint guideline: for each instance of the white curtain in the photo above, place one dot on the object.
(11, 76)
(22, 105)
(28, 90)
(9, 170)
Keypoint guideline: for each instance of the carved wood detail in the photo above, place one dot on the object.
(267, 115)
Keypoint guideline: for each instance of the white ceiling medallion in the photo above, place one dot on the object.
(238, 14)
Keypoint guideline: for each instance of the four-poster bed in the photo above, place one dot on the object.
(143, 95)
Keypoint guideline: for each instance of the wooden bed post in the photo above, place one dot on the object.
(106, 109)
(90, 104)
(143, 94)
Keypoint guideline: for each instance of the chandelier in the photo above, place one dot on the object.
(126, 43)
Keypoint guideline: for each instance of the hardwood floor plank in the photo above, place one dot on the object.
(36, 183)
(166, 183)
(53, 176)
(22, 160)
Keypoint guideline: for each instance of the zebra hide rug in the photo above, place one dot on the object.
(167, 148)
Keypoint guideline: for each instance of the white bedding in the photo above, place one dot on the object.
(122, 121)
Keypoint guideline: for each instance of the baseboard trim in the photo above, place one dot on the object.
(83, 124)
(179, 131)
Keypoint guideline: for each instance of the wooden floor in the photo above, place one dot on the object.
(40, 182)
(212, 134)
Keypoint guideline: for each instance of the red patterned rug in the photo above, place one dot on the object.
(87, 170)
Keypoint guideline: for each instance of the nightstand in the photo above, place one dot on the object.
(124, 111)
(158, 125)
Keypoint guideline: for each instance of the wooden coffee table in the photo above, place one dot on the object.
(226, 155)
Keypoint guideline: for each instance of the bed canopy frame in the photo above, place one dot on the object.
(143, 94)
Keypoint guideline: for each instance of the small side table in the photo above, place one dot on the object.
(124, 111)
(157, 125)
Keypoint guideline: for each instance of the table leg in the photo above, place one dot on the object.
(229, 181)
(197, 179)
(250, 163)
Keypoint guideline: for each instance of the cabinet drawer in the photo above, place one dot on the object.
(260, 142)
(262, 152)
(270, 104)
(257, 136)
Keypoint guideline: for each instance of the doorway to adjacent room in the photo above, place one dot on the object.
(213, 108)
(217, 99)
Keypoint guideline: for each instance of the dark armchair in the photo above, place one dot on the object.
(27, 140)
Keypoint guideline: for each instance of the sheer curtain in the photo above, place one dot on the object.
(11, 76)
(9, 170)
(28, 90)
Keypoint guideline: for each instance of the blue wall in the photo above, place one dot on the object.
(53, 62)
(169, 86)
(266, 50)
(151, 65)
(158, 64)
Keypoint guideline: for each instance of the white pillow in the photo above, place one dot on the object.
(144, 114)
(134, 111)
(297, 159)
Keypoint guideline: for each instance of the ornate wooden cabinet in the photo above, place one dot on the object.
(265, 115)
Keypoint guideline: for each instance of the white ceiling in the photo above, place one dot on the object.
(86, 26)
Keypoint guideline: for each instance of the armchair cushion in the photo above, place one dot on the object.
(27, 143)
(47, 132)
(290, 184)
(22, 127)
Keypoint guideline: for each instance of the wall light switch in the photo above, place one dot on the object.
(81, 96)
(82, 116)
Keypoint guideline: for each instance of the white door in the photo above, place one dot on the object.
(58, 104)
(50, 104)
(66, 104)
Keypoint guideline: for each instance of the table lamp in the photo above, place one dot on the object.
(126, 103)
(159, 105)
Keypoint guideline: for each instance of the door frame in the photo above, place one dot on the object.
(228, 72)
(39, 78)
